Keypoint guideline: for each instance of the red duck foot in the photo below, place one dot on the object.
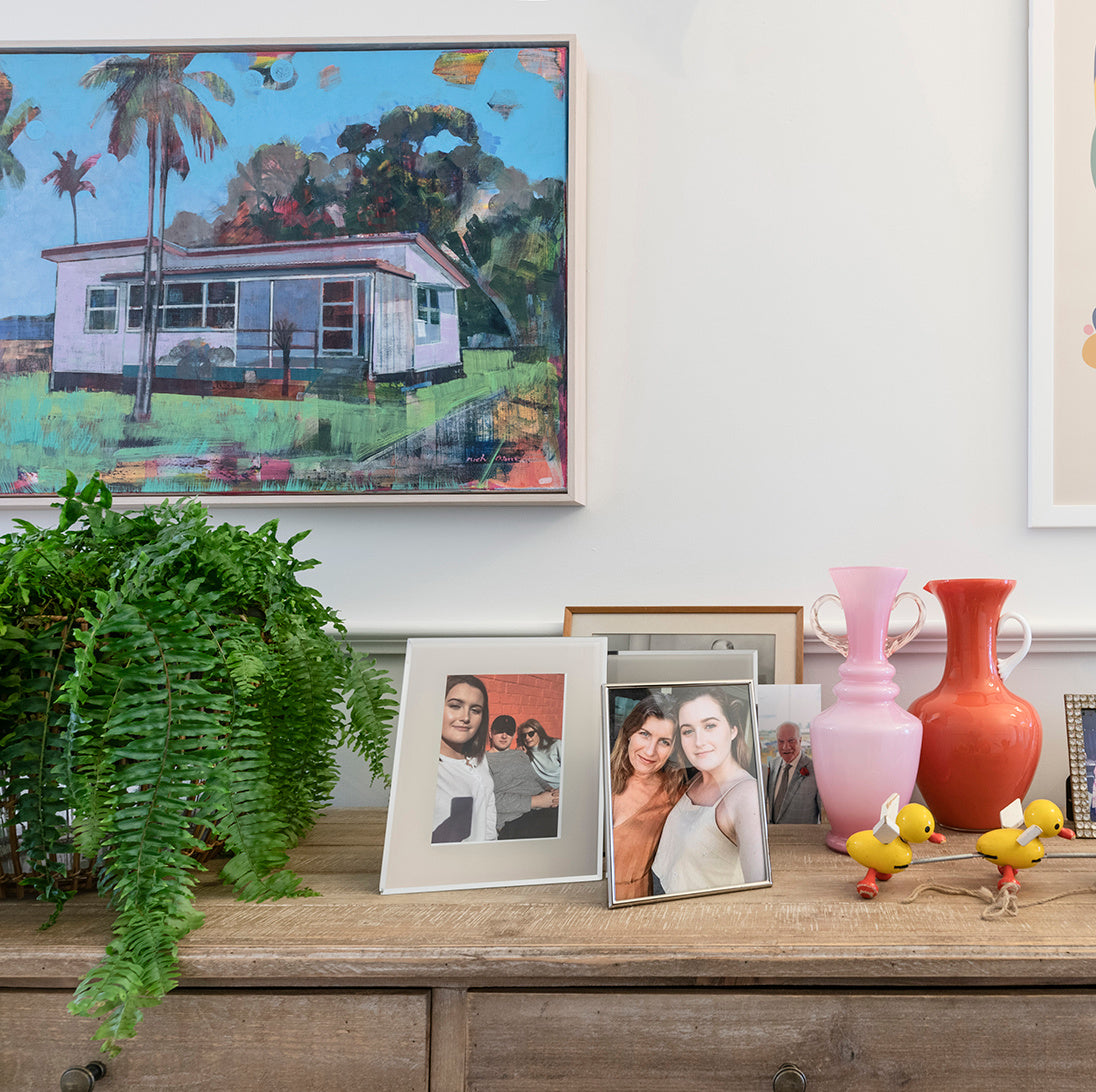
(867, 889)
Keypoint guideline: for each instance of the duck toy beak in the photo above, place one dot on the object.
(936, 837)
(1065, 832)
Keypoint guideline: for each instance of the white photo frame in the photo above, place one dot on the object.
(633, 864)
(412, 860)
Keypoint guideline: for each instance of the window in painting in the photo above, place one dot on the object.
(102, 310)
(338, 317)
(428, 327)
(188, 305)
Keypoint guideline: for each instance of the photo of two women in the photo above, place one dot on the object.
(687, 807)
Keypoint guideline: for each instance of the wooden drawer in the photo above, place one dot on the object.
(216, 1040)
(695, 1041)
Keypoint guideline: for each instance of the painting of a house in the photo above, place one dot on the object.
(305, 271)
(378, 308)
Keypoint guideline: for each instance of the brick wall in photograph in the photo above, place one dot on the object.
(525, 696)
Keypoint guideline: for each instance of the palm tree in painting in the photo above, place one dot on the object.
(68, 178)
(11, 125)
(153, 95)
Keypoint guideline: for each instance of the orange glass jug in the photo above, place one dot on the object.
(980, 743)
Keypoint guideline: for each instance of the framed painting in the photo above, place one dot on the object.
(496, 777)
(685, 791)
(1062, 269)
(294, 272)
(775, 633)
(1081, 743)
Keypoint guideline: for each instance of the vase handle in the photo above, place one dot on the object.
(1005, 667)
(892, 644)
(838, 644)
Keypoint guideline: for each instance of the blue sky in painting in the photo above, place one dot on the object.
(532, 139)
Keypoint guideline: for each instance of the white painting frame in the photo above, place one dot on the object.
(412, 861)
(1062, 231)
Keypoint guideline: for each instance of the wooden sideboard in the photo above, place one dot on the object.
(543, 987)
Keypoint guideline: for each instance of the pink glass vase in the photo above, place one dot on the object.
(981, 742)
(865, 747)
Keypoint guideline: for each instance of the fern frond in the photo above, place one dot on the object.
(160, 678)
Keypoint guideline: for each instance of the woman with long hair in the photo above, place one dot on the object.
(646, 780)
(715, 835)
(545, 753)
(464, 803)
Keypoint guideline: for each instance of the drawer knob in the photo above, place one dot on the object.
(82, 1078)
(789, 1078)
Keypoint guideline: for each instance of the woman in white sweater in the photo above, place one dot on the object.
(464, 803)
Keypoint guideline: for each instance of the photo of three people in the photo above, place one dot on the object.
(499, 767)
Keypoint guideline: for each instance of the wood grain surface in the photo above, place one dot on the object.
(545, 987)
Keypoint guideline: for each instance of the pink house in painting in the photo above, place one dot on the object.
(380, 307)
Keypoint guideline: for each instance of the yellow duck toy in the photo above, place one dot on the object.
(1015, 844)
(885, 849)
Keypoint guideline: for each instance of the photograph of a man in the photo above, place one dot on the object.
(791, 790)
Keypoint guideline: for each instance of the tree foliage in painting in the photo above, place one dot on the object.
(12, 124)
(282, 193)
(152, 95)
(68, 179)
(505, 232)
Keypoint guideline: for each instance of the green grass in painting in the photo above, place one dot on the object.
(87, 431)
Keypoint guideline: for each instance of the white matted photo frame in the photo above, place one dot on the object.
(1062, 241)
(775, 632)
(1081, 742)
(684, 791)
(448, 828)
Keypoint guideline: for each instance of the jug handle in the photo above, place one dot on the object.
(892, 644)
(1005, 667)
(838, 644)
(841, 644)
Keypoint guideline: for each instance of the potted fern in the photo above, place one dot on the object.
(167, 686)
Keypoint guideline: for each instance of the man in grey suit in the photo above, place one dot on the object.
(791, 792)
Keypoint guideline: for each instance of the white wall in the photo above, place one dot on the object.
(807, 263)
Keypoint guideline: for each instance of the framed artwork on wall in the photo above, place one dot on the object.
(685, 791)
(1062, 265)
(275, 273)
(496, 776)
(776, 633)
(1081, 742)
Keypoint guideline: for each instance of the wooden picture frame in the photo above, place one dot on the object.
(1062, 240)
(1081, 743)
(440, 837)
(367, 272)
(667, 846)
(776, 632)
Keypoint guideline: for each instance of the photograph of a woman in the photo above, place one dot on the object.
(715, 834)
(686, 809)
(646, 779)
(464, 803)
(545, 753)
